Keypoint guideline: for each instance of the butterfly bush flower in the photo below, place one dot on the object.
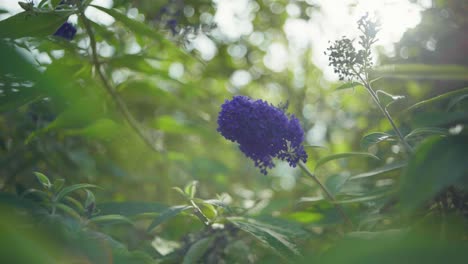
(66, 31)
(262, 131)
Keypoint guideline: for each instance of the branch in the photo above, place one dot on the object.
(327, 193)
(121, 106)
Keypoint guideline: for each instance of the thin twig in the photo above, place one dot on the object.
(384, 111)
(198, 212)
(327, 193)
(121, 106)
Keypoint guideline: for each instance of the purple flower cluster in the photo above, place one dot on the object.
(66, 31)
(262, 131)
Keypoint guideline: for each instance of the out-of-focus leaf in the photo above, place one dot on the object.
(394, 247)
(329, 158)
(375, 138)
(381, 170)
(364, 198)
(191, 189)
(348, 85)
(142, 29)
(170, 125)
(69, 189)
(75, 203)
(68, 210)
(19, 79)
(134, 25)
(427, 131)
(58, 184)
(441, 97)
(110, 219)
(455, 101)
(311, 199)
(136, 63)
(197, 250)
(43, 180)
(90, 199)
(335, 182)
(433, 119)
(102, 129)
(305, 217)
(25, 245)
(422, 71)
(219, 203)
(130, 208)
(269, 235)
(123, 256)
(436, 164)
(392, 233)
(167, 214)
(26, 24)
(207, 209)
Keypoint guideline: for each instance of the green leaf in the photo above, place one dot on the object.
(365, 198)
(102, 129)
(90, 199)
(142, 29)
(426, 131)
(207, 209)
(191, 189)
(70, 211)
(43, 180)
(81, 114)
(335, 182)
(436, 164)
(305, 217)
(273, 237)
(394, 246)
(433, 119)
(27, 24)
(77, 205)
(347, 86)
(134, 25)
(181, 192)
(422, 71)
(130, 208)
(167, 214)
(311, 199)
(67, 190)
(58, 184)
(456, 101)
(168, 124)
(110, 219)
(375, 138)
(438, 98)
(329, 158)
(197, 250)
(381, 170)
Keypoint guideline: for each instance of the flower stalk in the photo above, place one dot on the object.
(328, 194)
(350, 64)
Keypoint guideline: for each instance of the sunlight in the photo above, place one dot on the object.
(338, 17)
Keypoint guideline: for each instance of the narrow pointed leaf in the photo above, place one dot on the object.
(167, 214)
(381, 170)
(347, 86)
(375, 138)
(67, 190)
(329, 158)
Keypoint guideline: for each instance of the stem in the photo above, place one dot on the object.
(384, 111)
(198, 212)
(327, 193)
(121, 106)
